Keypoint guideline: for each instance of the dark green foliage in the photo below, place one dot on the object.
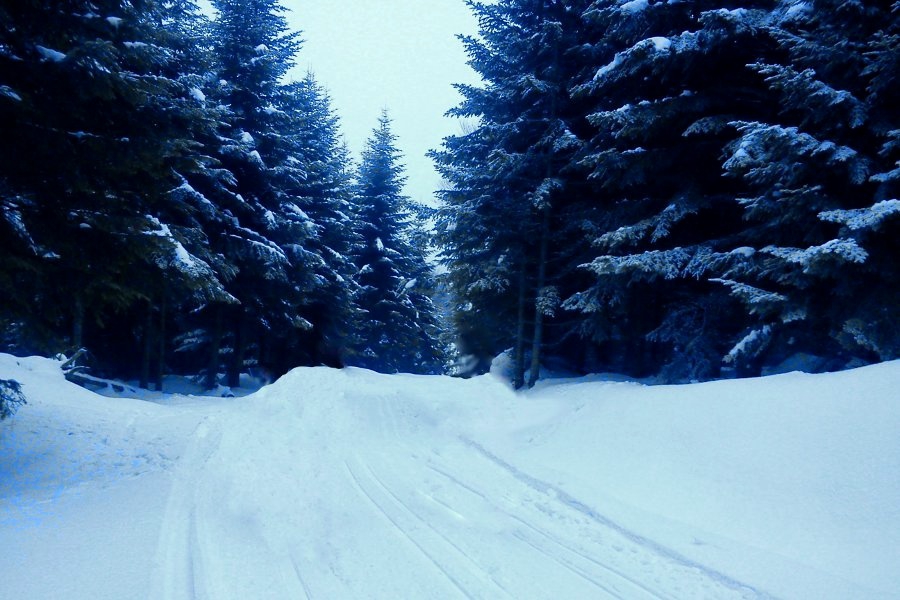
(398, 328)
(11, 398)
(97, 126)
(724, 193)
(671, 80)
(819, 274)
(660, 188)
(316, 181)
(512, 178)
(167, 200)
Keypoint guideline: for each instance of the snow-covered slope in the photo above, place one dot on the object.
(350, 484)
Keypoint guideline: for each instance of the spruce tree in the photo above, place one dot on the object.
(399, 324)
(265, 233)
(669, 80)
(818, 272)
(98, 123)
(321, 187)
(511, 178)
(11, 397)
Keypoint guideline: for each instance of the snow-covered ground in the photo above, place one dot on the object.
(349, 484)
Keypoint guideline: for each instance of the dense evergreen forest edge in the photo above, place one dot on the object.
(686, 190)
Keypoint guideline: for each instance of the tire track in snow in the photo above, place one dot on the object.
(403, 532)
(194, 558)
(561, 496)
(565, 564)
(391, 424)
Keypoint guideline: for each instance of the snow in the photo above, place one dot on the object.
(744, 251)
(13, 217)
(754, 338)
(845, 249)
(179, 258)
(798, 8)
(634, 6)
(293, 209)
(198, 95)
(350, 484)
(617, 60)
(114, 21)
(50, 54)
(10, 93)
(661, 44)
(863, 218)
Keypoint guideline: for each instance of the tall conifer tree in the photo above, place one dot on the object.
(817, 271)
(399, 328)
(98, 122)
(511, 176)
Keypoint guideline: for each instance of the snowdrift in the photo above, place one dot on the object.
(353, 484)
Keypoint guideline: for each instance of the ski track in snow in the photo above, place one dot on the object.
(450, 515)
(567, 500)
(179, 558)
(585, 547)
(347, 484)
(409, 532)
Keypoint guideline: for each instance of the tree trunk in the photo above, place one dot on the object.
(148, 347)
(235, 366)
(161, 346)
(78, 324)
(519, 379)
(538, 308)
(215, 344)
(545, 240)
(266, 353)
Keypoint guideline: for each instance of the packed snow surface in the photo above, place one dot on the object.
(349, 484)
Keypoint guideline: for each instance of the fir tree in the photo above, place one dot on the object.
(322, 189)
(11, 397)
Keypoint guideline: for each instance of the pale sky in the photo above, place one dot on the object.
(396, 54)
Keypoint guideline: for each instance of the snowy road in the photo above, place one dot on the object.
(349, 484)
(375, 494)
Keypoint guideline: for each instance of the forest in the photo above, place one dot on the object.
(687, 190)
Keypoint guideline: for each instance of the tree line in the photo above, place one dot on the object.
(683, 189)
(172, 203)
(688, 190)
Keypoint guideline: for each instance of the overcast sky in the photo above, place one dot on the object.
(396, 54)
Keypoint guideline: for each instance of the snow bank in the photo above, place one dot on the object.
(789, 481)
